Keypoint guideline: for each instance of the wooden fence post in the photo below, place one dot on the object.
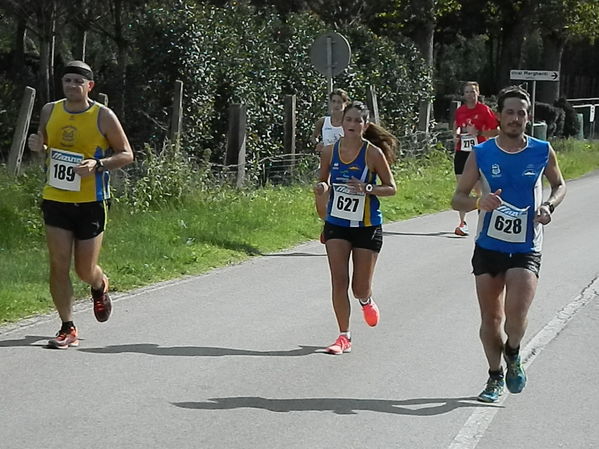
(373, 105)
(177, 116)
(452, 108)
(20, 135)
(103, 98)
(236, 136)
(289, 129)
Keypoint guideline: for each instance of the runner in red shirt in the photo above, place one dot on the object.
(474, 123)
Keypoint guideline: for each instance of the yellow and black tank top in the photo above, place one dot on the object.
(73, 137)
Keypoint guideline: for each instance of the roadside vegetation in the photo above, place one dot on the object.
(169, 234)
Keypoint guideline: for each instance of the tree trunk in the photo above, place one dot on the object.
(18, 60)
(80, 44)
(512, 38)
(553, 49)
(122, 57)
(424, 40)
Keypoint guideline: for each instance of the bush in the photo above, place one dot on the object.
(221, 62)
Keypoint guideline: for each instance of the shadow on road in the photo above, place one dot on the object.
(293, 255)
(27, 340)
(340, 406)
(197, 351)
(447, 235)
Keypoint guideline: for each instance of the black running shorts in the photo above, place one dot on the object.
(459, 161)
(85, 220)
(368, 237)
(485, 261)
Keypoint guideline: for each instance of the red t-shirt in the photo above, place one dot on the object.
(480, 116)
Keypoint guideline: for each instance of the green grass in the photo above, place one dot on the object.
(207, 229)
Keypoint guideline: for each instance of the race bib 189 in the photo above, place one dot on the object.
(468, 141)
(61, 172)
(508, 223)
(346, 204)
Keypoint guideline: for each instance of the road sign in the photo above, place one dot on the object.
(534, 75)
(330, 53)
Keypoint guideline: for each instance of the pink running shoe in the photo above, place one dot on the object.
(371, 313)
(64, 339)
(341, 345)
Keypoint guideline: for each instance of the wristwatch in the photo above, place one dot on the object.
(99, 165)
(368, 188)
(549, 205)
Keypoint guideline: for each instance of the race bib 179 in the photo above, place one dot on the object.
(468, 141)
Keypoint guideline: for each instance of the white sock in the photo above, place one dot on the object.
(364, 302)
(346, 335)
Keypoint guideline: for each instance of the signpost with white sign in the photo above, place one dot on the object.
(534, 76)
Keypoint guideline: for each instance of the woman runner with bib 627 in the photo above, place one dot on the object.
(355, 172)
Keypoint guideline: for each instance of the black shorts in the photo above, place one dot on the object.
(485, 261)
(368, 237)
(459, 161)
(85, 220)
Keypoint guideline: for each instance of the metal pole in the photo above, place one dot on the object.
(532, 115)
(329, 70)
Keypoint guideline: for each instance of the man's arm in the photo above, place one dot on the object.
(558, 189)
(117, 139)
(461, 198)
(37, 141)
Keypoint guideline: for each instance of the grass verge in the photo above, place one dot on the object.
(208, 229)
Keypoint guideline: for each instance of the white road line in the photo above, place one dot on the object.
(476, 426)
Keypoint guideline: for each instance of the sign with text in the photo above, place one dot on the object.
(534, 75)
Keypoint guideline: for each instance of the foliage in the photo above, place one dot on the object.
(160, 178)
(199, 44)
(577, 19)
(19, 208)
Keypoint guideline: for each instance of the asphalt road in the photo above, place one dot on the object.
(231, 359)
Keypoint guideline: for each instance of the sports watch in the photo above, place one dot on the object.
(99, 165)
(368, 188)
(549, 205)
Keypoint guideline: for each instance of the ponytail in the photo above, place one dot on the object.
(383, 139)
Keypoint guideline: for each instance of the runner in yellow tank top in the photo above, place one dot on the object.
(72, 138)
(76, 133)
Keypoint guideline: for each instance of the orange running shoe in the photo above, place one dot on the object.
(371, 313)
(64, 339)
(102, 302)
(341, 345)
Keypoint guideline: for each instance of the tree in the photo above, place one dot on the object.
(418, 19)
(577, 20)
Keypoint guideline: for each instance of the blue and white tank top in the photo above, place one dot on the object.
(346, 208)
(511, 227)
(330, 134)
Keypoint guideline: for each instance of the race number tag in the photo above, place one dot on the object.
(468, 141)
(61, 173)
(346, 204)
(508, 223)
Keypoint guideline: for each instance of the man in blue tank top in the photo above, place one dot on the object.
(507, 254)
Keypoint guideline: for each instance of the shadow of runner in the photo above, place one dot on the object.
(197, 351)
(447, 235)
(27, 340)
(339, 406)
(293, 255)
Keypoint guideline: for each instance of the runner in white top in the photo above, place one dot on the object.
(327, 131)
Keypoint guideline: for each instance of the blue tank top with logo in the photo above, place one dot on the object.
(511, 227)
(344, 207)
